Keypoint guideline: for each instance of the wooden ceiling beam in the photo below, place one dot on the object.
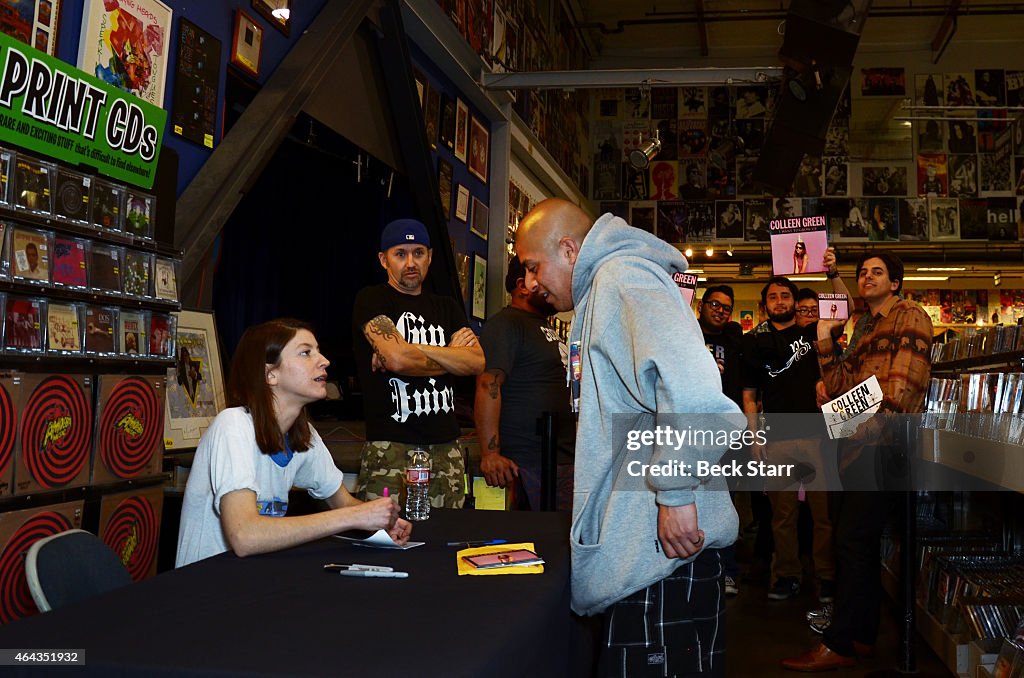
(947, 24)
(702, 28)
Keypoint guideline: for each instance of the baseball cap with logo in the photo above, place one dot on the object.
(404, 232)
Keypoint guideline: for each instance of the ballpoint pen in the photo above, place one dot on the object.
(373, 573)
(356, 567)
(482, 542)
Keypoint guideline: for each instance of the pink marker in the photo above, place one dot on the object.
(385, 491)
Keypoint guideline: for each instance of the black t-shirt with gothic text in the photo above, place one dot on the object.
(401, 408)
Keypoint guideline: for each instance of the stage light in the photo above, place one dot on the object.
(688, 252)
(710, 251)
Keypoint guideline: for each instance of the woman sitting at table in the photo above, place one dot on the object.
(260, 447)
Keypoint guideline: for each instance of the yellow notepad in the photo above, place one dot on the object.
(466, 568)
(488, 498)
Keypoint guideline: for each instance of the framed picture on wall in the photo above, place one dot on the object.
(247, 44)
(461, 129)
(462, 203)
(444, 186)
(277, 12)
(103, 51)
(479, 287)
(34, 22)
(195, 385)
(480, 217)
(479, 149)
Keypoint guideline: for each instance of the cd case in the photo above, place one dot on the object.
(100, 323)
(72, 196)
(23, 326)
(6, 174)
(63, 328)
(139, 214)
(69, 262)
(132, 333)
(105, 268)
(30, 255)
(107, 204)
(135, 273)
(165, 279)
(33, 184)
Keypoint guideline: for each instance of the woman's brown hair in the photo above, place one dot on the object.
(261, 345)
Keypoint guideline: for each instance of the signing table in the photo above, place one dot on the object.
(280, 614)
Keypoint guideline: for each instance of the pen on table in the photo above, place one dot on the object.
(373, 573)
(482, 542)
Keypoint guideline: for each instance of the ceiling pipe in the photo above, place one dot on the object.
(674, 18)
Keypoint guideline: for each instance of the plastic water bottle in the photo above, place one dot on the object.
(417, 484)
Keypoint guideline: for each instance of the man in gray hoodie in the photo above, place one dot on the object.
(648, 513)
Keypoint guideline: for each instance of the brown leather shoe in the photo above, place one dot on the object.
(863, 649)
(819, 659)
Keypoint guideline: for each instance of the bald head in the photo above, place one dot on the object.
(548, 242)
(550, 221)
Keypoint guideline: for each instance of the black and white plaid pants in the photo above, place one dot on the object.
(675, 627)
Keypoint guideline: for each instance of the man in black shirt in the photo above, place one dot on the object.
(722, 338)
(525, 377)
(780, 366)
(408, 345)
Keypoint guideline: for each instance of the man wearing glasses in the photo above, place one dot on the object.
(723, 340)
(806, 307)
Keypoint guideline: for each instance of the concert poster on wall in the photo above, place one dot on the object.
(195, 385)
(196, 80)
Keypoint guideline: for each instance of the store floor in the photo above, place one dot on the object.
(762, 632)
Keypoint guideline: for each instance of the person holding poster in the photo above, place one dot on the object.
(892, 340)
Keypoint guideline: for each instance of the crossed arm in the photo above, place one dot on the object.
(461, 357)
(248, 533)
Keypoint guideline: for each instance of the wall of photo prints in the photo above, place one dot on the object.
(534, 35)
(966, 181)
(459, 140)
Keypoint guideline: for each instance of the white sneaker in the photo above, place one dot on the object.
(731, 588)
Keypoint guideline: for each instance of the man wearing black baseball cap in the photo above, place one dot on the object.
(408, 346)
(524, 377)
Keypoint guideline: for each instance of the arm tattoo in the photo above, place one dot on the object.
(381, 359)
(494, 387)
(383, 327)
(433, 364)
(493, 444)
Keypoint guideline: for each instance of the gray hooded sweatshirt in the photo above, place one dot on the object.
(643, 363)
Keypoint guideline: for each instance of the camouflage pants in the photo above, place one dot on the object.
(383, 465)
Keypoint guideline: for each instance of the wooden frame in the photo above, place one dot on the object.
(461, 130)
(479, 149)
(42, 24)
(462, 203)
(247, 44)
(195, 385)
(481, 215)
(266, 8)
(479, 287)
(95, 51)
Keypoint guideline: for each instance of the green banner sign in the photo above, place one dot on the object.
(55, 109)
